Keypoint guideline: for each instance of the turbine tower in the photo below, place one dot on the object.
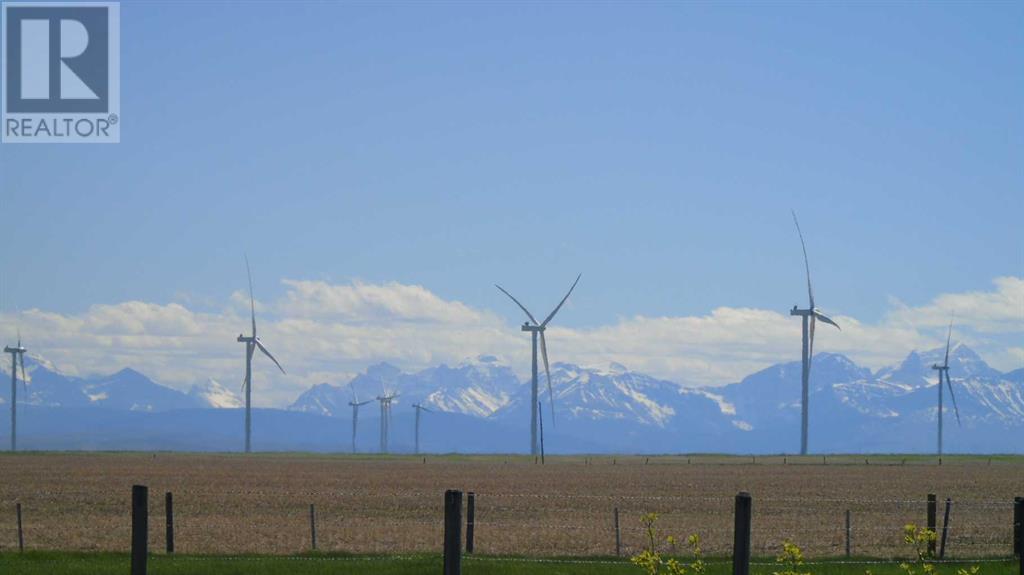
(356, 404)
(385, 418)
(944, 372)
(419, 408)
(809, 317)
(252, 343)
(17, 357)
(538, 328)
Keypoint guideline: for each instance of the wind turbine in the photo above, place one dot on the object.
(385, 417)
(252, 343)
(17, 356)
(944, 371)
(538, 328)
(356, 404)
(809, 317)
(419, 408)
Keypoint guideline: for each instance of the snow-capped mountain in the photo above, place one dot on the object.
(125, 390)
(596, 409)
(620, 410)
(893, 409)
(477, 387)
(211, 393)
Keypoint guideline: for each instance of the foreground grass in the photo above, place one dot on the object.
(55, 563)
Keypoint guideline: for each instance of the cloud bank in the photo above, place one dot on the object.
(329, 332)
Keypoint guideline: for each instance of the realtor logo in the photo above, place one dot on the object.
(61, 72)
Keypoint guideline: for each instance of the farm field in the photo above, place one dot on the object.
(228, 504)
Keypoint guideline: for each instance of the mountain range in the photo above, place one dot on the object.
(482, 406)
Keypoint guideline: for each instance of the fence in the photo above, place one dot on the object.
(537, 524)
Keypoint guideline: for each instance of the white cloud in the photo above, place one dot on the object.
(326, 332)
(999, 311)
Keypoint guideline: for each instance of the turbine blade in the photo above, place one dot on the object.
(827, 319)
(547, 371)
(521, 306)
(252, 298)
(807, 265)
(949, 338)
(956, 409)
(260, 345)
(554, 311)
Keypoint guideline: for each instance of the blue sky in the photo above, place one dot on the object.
(657, 148)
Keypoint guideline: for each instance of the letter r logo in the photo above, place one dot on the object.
(57, 58)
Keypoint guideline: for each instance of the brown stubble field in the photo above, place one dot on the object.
(260, 503)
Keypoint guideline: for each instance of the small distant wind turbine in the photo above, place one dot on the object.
(356, 404)
(252, 343)
(17, 357)
(538, 328)
(385, 418)
(419, 408)
(944, 371)
(809, 316)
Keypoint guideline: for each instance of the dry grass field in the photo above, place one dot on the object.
(260, 503)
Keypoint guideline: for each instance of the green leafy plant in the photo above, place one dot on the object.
(654, 562)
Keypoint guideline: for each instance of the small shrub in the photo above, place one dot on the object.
(653, 562)
(792, 560)
(919, 539)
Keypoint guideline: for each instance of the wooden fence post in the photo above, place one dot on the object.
(21, 535)
(1018, 527)
(453, 532)
(741, 535)
(169, 512)
(848, 534)
(618, 535)
(932, 512)
(312, 525)
(140, 528)
(945, 528)
(470, 520)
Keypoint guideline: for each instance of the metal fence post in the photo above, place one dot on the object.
(848, 534)
(312, 525)
(932, 512)
(618, 535)
(21, 535)
(945, 529)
